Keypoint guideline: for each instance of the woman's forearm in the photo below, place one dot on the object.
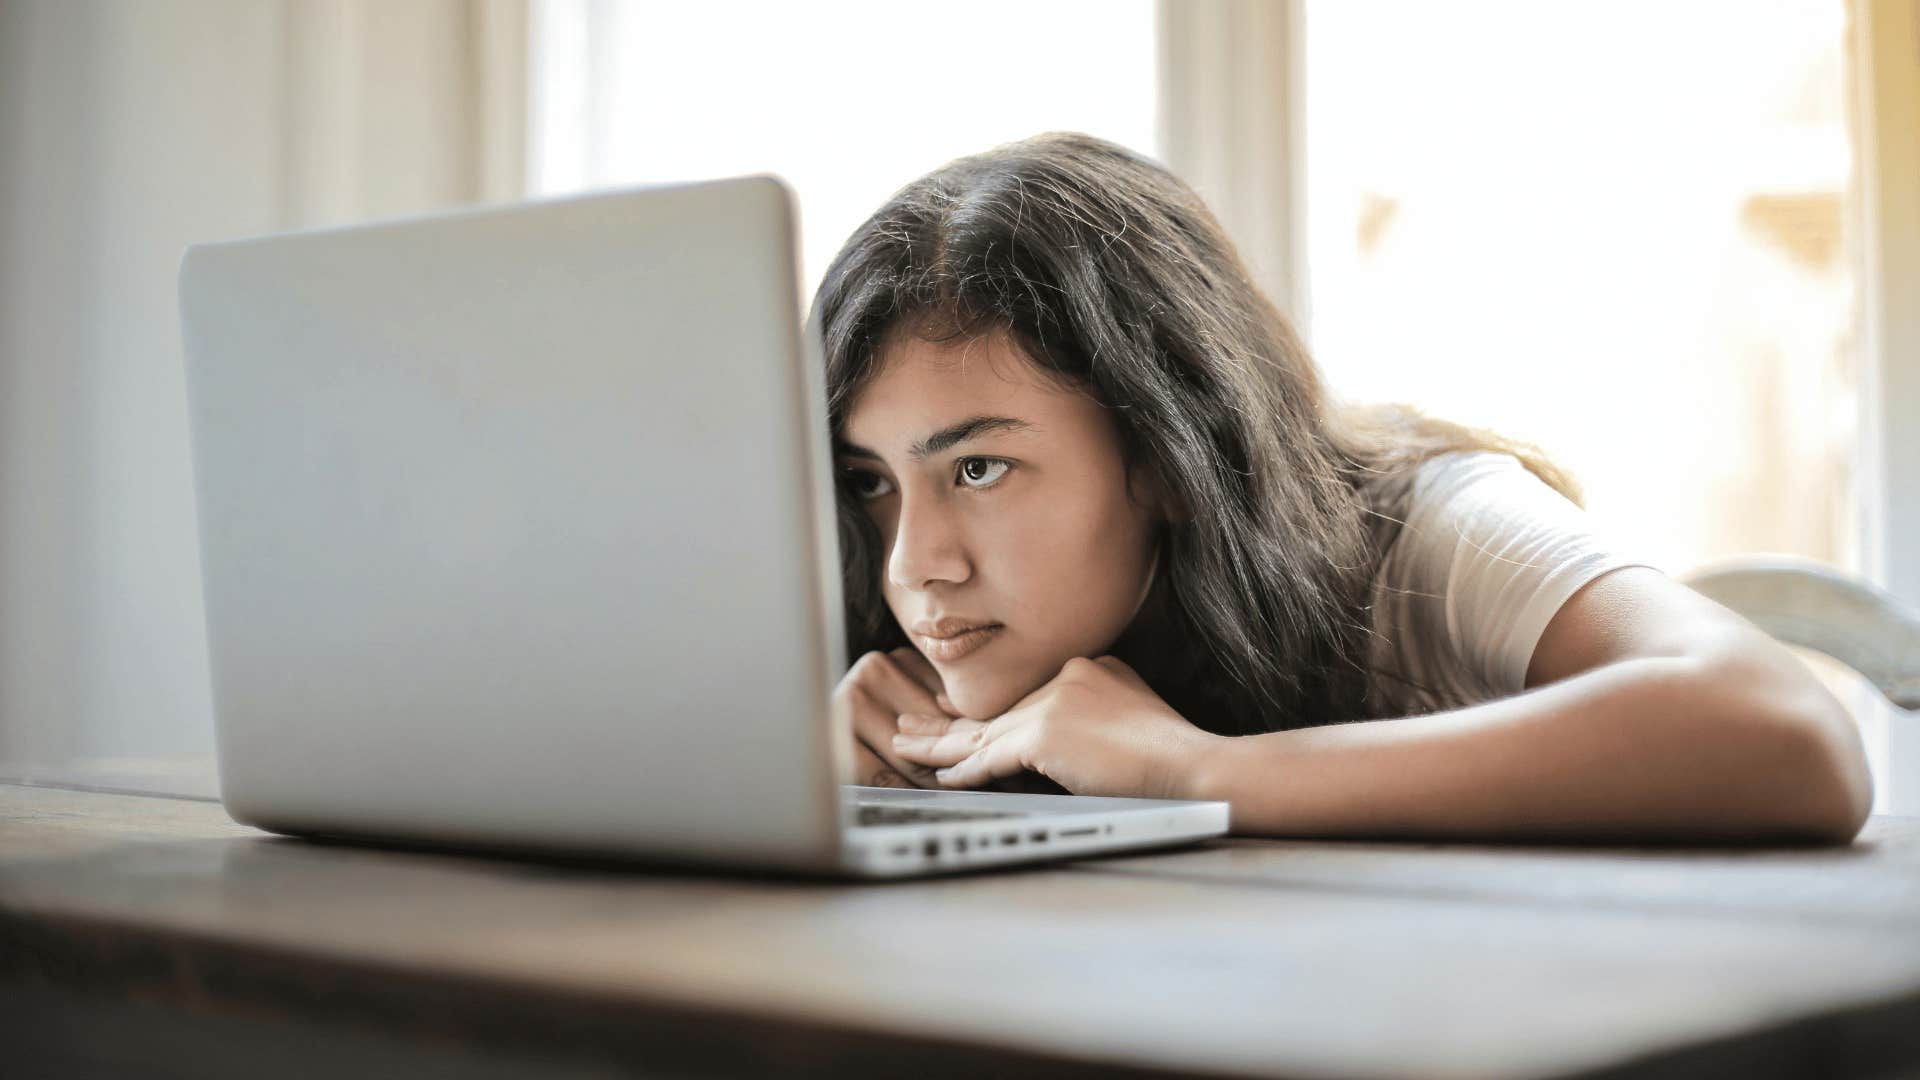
(1655, 747)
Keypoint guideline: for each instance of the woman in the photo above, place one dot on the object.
(1106, 529)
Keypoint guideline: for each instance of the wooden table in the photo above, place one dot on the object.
(152, 933)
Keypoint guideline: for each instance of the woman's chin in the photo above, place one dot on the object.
(983, 697)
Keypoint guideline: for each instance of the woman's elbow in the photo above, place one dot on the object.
(1813, 775)
(1839, 782)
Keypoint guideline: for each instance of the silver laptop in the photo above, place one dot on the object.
(517, 533)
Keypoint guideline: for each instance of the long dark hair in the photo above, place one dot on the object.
(1110, 273)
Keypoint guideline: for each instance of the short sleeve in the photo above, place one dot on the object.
(1487, 556)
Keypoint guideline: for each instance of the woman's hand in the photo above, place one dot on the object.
(873, 693)
(1095, 729)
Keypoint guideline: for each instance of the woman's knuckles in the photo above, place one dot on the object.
(921, 724)
(869, 667)
(885, 777)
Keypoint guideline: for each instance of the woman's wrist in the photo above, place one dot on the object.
(1209, 767)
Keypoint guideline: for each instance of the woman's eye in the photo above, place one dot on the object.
(868, 485)
(982, 472)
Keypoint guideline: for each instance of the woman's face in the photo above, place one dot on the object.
(1011, 541)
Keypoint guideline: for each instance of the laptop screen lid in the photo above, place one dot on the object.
(516, 527)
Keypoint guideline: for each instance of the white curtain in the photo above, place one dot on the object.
(1886, 52)
(129, 130)
(1231, 74)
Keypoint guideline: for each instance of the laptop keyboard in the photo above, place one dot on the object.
(887, 814)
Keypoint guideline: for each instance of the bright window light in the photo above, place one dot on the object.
(847, 101)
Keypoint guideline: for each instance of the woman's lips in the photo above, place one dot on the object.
(949, 649)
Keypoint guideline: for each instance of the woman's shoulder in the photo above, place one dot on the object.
(1488, 553)
(1436, 478)
(1454, 468)
(1471, 520)
(1486, 490)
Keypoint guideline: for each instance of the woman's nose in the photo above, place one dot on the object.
(927, 546)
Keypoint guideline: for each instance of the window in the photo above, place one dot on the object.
(847, 101)
(1615, 232)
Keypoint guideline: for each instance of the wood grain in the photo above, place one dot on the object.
(1241, 958)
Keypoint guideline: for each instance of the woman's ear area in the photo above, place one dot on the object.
(1146, 486)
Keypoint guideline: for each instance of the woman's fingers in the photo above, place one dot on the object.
(870, 771)
(995, 759)
(919, 669)
(878, 688)
(875, 724)
(940, 741)
(892, 683)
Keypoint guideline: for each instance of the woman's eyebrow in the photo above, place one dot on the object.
(947, 437)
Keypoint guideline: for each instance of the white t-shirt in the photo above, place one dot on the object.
(1487, 556)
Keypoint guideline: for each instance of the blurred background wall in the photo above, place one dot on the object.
(1674, 245)
(129, 130)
